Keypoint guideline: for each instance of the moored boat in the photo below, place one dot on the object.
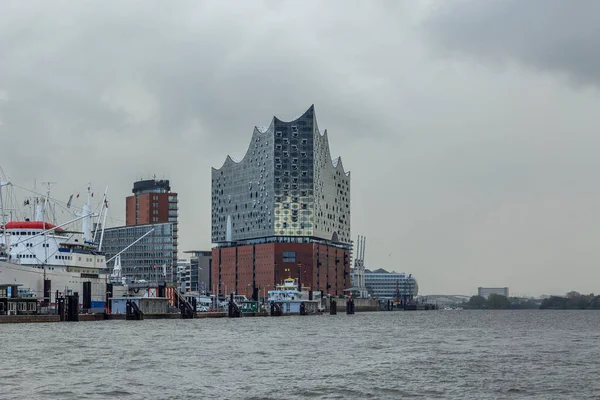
(47, 259)
(291, 300)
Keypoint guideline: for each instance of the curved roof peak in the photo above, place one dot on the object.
(310, 111)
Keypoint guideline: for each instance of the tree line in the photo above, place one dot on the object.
(571, 301)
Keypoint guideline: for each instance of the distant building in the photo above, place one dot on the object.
(152, 258)
(282, 211)
(184, 275)
(485, 292)
(382, 284)
(201, 271)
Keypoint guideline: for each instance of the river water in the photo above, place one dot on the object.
(386, 355)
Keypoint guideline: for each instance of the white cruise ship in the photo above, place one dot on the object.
(45, 258)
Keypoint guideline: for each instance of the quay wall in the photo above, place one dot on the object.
(360, 305)
(15, 319)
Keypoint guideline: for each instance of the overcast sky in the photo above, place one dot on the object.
(470, 128)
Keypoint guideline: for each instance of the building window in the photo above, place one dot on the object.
(289, 256)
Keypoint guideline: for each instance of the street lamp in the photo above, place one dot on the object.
(265, 292)
(216, 290)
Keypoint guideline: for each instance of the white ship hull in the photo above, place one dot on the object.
(32, 278)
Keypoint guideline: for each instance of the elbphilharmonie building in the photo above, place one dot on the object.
(287, 184)
(282, 210)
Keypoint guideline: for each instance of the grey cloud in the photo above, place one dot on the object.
(447, 160)
(550, 35)
(196, 58)
(96, 85)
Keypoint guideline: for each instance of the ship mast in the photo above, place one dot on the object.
(2, 215)
(86, 223)
(42, 208)
(103, 214)
(4, 243)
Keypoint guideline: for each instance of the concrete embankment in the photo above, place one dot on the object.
(360, 305)
(16, 319)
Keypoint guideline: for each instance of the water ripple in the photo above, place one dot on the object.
(459, 355)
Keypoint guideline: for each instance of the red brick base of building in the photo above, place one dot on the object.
(244, 268)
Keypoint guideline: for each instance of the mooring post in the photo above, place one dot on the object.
(350, 306)
(332, 307)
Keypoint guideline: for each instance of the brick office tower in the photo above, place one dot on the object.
(282, 211)
(153, 203)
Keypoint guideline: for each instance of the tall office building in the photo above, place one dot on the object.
(153, 203)
(282, 211)
(153, 207)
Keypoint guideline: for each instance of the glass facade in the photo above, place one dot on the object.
(153, 257)
(286, 185)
